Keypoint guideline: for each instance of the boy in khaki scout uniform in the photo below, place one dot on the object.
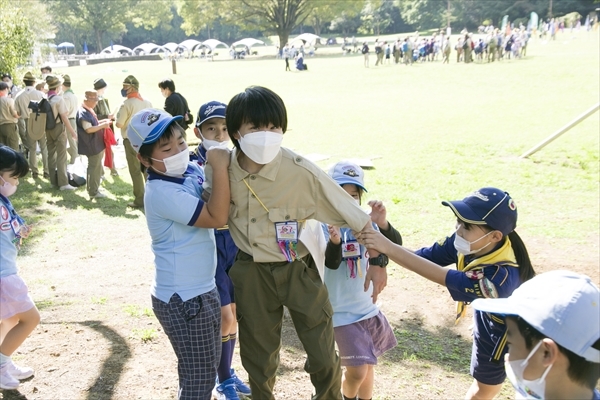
(274, 190)
(72, 105)
(8, 119)
(132, 104)
(56, 139)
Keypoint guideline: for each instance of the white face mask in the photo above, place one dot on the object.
(261, 147)
(463, 246)
(7, 189)
(528, 389)
(176, 165)
(209, 144)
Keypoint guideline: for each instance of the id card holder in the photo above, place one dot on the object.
(286, 234)
(16, 226)
(350, 249)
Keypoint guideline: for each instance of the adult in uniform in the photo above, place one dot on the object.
(56, 138)
(8, 118)
(102, 110)
(72, 104)
(30, 93)
(132, 104)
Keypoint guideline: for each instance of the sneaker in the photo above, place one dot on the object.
(35, 175)
(114, 172)
(46, 175)
(240, 386)
(67, 187)
(226, 391)
(7, 381)
(98, 195)
(18, 372)
(133, 205)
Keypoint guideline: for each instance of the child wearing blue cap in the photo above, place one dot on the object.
(361, 330)
(553, 336)
(212, 131)
(491, 261)
(184, 295)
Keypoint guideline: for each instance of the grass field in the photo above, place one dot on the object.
(434, 132)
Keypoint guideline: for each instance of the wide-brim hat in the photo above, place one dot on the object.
(53, 81)
(28, 77)
(91, 95)
(99, 84)
(132, 81)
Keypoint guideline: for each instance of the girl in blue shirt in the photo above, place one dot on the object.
(18, 314)
(491, 261)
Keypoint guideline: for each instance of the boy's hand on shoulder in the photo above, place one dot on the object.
(218, 157)
(334, 234)
(379, 214)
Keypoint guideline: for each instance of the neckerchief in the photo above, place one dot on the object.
(90, 110)
(136, 95)
(504, 255)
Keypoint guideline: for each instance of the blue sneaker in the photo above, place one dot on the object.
(240, 386)
(226, 390)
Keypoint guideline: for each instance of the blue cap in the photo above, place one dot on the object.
(346, 172)
(147, 126)
(487, 206)
(561, 305)
(212, 109)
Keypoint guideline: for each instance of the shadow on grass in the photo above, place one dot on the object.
(111, 370)
(441, 346)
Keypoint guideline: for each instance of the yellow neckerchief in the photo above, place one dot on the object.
(504, 255)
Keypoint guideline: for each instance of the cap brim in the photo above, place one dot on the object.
(211, 117)
(464, 212)
(160, 129)
(504, 306)
(350, 182)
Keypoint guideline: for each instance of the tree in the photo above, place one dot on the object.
(102, 17)
(377, 16)
(278, 16)
(16, 36)
(198, 14)
(326, 11)
(424, 14)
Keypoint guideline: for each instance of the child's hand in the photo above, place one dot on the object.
(25, 231)
(334, 234)
(379, 214)
(218, 157)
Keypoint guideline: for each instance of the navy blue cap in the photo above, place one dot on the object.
(212, 109)
(487, 206)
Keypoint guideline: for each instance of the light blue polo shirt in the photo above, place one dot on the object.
(185, 257)
(8, 244)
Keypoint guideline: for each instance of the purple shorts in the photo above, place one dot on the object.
(362, 342)
(14, 296)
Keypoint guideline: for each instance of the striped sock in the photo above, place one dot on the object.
(224, 369)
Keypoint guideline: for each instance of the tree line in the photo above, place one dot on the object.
(132, 22)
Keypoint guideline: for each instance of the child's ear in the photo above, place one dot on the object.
(497, 236)
(197, 132)
(145, 163)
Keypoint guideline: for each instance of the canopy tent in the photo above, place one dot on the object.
(171, 46)
(117, 49)
(214, 43)
(148, 48)
(189, 45)
(306, 38)
(66, 46)
(248, 42)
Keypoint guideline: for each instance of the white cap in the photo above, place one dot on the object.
(561, 305)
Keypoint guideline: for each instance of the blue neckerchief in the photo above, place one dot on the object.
(152, 175)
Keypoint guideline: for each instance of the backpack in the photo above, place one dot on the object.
(41, 118)
(365, 49)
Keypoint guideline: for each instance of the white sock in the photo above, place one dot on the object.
(4, 359)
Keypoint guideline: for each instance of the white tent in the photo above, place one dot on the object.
(171, 46)
(306, 38)
(249, 42)
(117, 49)
(189, 45)
(214, 43)
(148, 48)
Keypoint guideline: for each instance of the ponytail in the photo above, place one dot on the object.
(526, 271)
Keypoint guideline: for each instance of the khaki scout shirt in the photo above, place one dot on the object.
(127, 110)
(291, 188)
(7, 110)
(24, 97)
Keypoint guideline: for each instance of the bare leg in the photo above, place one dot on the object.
(15, 336)
(353, 379)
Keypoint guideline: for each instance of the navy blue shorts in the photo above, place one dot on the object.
(486, 335)
(226, 252)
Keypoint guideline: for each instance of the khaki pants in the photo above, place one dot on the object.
(32, 146)
(56, 139)
(9, 135)
(137, 178)
(261, 291)
(22, 128)
(94, 173)
(72, 150)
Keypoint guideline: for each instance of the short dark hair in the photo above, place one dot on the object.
(167, 84)
(3, 85)
(11, 160)
(257, 105)
(147, 149)
(580, 370)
